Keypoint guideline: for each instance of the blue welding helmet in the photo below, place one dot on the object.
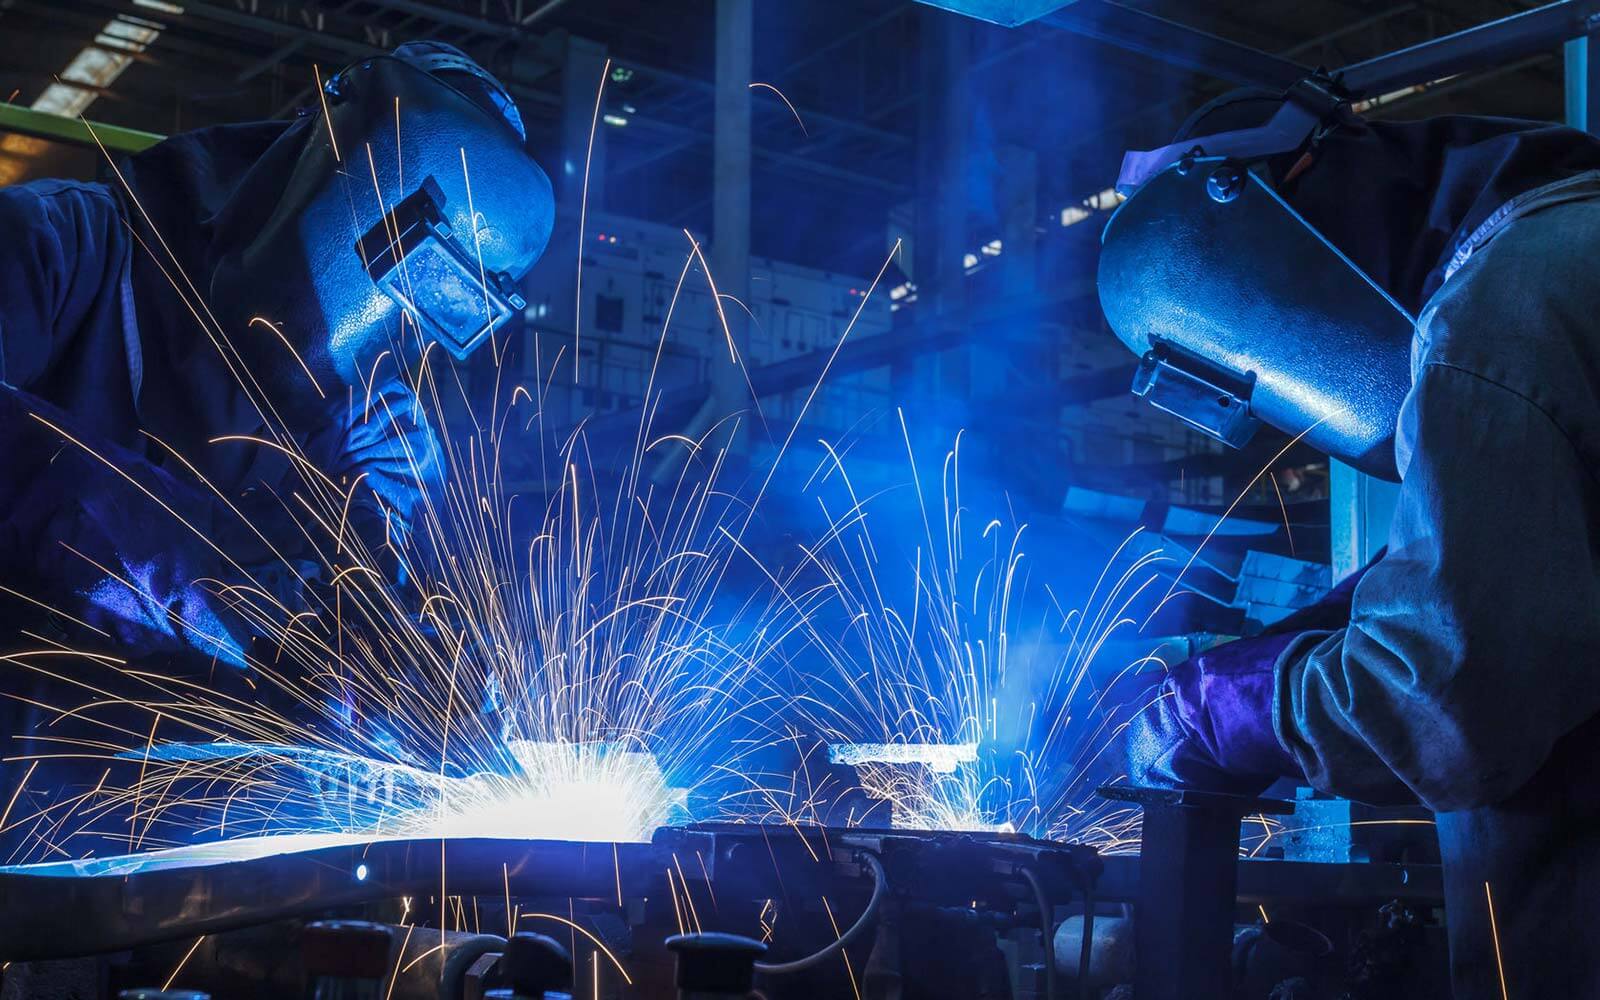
(1240, 310)
(400, 217)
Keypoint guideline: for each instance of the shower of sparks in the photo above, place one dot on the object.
(960, 693)
(557, 663)
(570, 661)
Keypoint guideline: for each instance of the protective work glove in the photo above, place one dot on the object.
(1208, 723)
(99, 533)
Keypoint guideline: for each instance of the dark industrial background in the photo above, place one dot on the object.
(990, 152)
(900, 207)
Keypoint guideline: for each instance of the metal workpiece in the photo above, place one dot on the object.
(933, 868)
(116, 903)
(112, 904)
(1188, 878)
(1332, 830)
(893, 895)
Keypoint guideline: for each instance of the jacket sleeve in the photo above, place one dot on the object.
(109, 540)
(1471, 646)
(61, 262)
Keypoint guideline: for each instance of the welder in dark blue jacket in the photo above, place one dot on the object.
(206, 363)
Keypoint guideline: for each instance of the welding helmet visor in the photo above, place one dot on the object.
(414, 255)
(1241, 311)
(412, 189)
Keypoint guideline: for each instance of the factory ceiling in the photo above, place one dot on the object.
(849, 67)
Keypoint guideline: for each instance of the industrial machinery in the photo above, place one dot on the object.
(1348, 904)
(806, 911)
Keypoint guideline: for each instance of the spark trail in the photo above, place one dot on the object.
(549, 659)
(944, 654)
(552, 645)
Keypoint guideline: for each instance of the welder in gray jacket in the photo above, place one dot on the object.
(1421, 300)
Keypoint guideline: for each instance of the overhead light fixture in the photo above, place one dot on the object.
(611, 119)
(93, 69)
(1100, 201)
(96, 66)
(1371, 103)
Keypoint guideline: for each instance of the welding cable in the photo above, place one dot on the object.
(1086, 946)
(880, 883)
(1047, 937)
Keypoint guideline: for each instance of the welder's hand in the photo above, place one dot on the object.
(1208, 723)
(112, 540)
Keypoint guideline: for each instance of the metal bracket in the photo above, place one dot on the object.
(1188, 881)
(1203, 395)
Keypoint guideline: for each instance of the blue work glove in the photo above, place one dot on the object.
(1208, 723)
(103, 535)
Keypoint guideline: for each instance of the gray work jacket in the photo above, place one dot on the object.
(1469, 675)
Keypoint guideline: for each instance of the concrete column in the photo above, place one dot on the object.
(580, 81)
(943, 147)
(730, 234)
(1011, 365)
(1019, 220)
(941, 211)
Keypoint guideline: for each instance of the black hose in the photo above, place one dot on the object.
(880, 884)
(1047, 936)
(1086, 947)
